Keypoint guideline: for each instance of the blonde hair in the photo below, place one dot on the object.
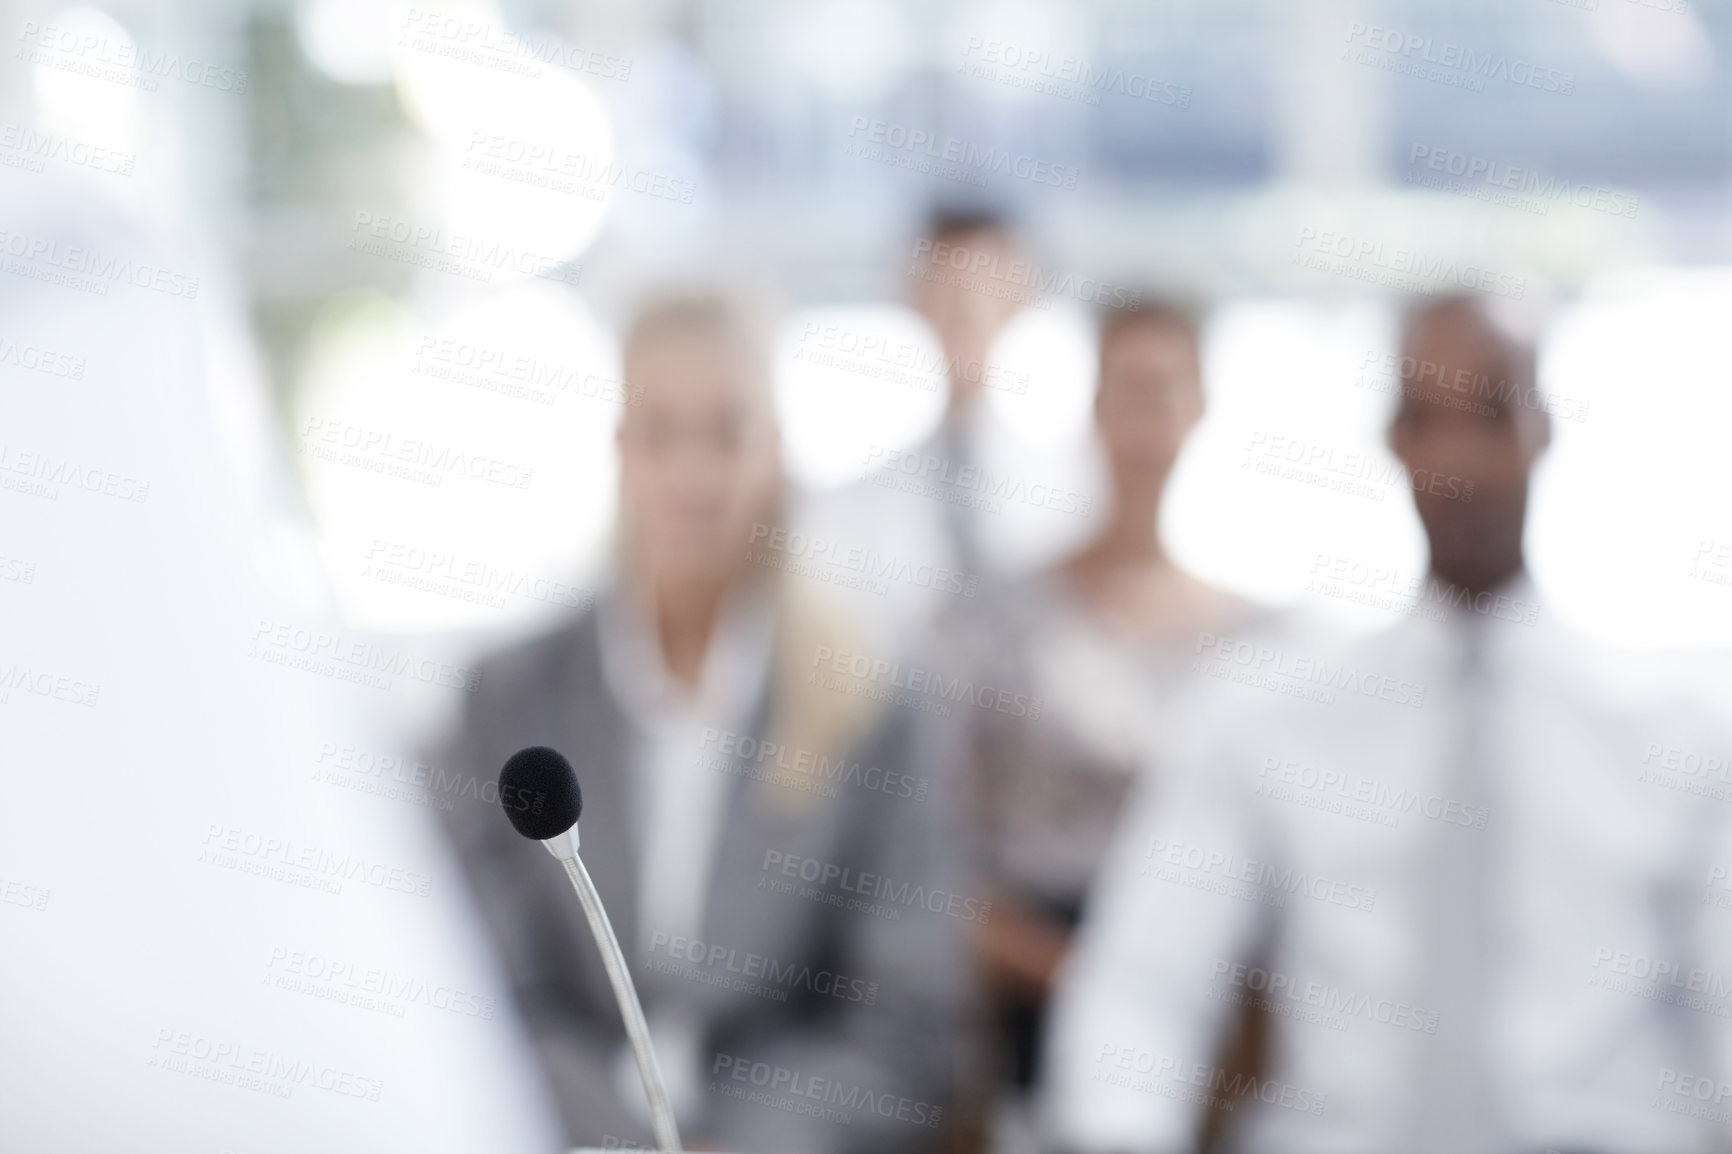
(728, 316)
(831, 715)
(806, 715)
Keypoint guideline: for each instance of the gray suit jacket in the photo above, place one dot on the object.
(878, 1042)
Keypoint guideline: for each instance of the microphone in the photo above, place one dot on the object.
(539, 793)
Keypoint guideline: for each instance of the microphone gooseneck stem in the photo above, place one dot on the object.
(661, 1114)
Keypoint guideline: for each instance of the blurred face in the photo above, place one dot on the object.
(1150, 398)
(1447, 438)
(957, 300)
(699, 459)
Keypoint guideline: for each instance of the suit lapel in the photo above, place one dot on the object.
(738, 913)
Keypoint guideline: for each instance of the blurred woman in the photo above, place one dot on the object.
(1105, 639)
(711, 760)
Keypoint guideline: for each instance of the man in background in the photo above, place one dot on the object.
(968, 311)
(939, 504)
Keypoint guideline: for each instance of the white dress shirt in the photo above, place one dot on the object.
(679, 801)
(1296, 864)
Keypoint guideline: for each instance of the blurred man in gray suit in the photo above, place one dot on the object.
(765, 829)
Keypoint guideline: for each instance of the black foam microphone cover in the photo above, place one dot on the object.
(539, 794)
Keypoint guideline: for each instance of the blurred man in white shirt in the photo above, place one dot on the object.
(1450, 885)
